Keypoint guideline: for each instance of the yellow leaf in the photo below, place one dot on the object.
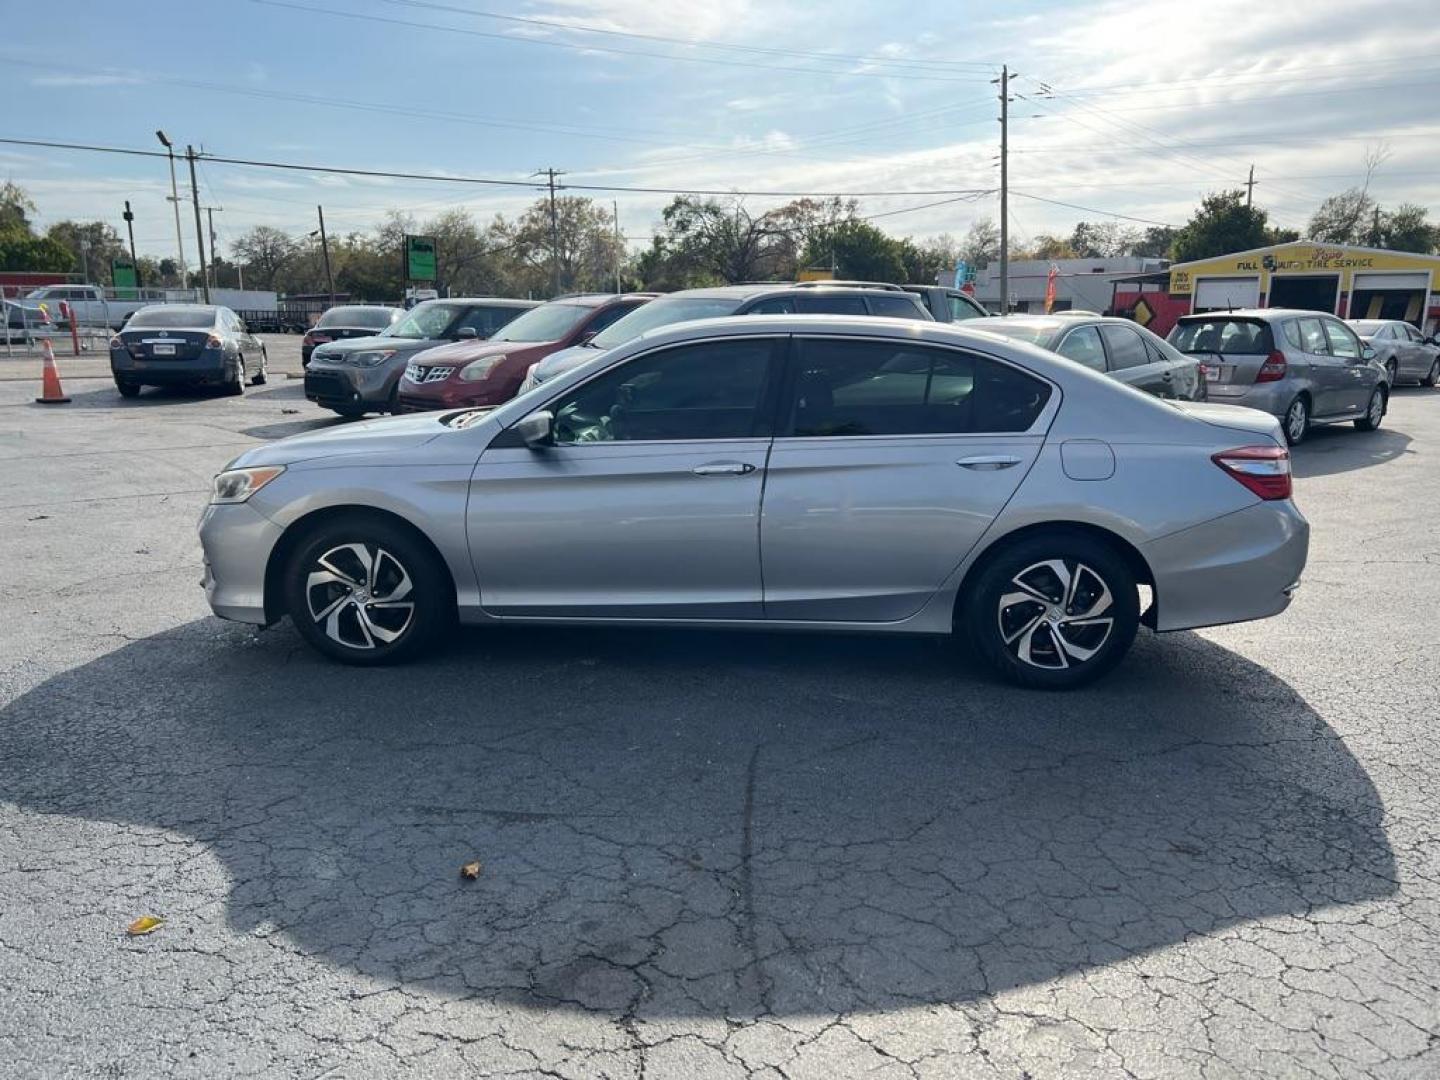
(471, 870)
(146, 924)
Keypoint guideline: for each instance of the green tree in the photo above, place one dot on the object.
(22, 250)
(930, 260)
(1155, 243)
(264, 251)
(1221, 225)
(1407, 228)
(1103, 240)
(858, 251)
(981, 245)
(16, 206)
(713, 241)
(1343, 218)
(94, 244)
(583, 245)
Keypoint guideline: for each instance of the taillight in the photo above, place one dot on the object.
(214, 341)
(1265, 470)
(1273, 370)
(117, 342)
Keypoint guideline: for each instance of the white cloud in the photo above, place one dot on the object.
(86, 80)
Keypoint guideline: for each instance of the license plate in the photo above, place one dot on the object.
(164, 350)
(1212, 372)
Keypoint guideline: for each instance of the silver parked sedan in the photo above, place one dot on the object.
(1404, 351)
(891, 476)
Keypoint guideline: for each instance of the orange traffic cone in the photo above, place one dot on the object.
(51, 393)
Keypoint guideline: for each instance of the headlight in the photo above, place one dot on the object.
(479, 369)
(237, 485)
(371, 358)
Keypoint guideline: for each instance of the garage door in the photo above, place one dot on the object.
(1222, 293)
(1419, 282)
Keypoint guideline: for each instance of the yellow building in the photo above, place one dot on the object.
(1352, 282)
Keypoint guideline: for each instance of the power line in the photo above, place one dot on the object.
(926, 206)
(485, 181)
(511, 39)
(719, 45)
(1091, 209)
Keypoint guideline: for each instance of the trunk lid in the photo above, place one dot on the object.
(1231, 348)
(165, 345)
(1233, 418)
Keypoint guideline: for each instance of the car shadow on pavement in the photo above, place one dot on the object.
(700, 823)
(1337, 448)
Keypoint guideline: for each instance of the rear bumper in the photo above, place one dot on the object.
(1273, 397)
(237, 541)
(1235, 568)
(210, 366)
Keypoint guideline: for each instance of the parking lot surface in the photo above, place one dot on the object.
(703, 854)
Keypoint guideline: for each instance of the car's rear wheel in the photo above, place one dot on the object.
(1374, 411)
(1297, 420)
(1392, 372)
(235, 385)
(365, 591)
(258, 379)
(127, 389)
(1054, 611)
(1432, 376)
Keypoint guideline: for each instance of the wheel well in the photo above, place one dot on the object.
(301, 529)
(1134, 561)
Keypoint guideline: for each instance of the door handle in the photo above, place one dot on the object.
(724, 468)
(988, 462)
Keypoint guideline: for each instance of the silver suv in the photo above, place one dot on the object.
(1305, 367)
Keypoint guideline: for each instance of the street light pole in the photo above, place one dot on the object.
(199, 231)
(325, 250)
(210, 225)
(175, 201)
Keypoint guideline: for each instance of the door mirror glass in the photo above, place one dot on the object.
(586, 336)
(537, 429)
(466, 333)
(1367, 353)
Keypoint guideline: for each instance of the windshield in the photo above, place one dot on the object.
(1036, 333)
(1234, 336)
(374, 318)
(429, 320)
(663, 312)
(549, 322)
(160, 318)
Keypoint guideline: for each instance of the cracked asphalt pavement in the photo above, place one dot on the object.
(704, 854)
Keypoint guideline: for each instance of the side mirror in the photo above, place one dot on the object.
(467, 333)
(1367, 353)
(585, 337)
(537, 429)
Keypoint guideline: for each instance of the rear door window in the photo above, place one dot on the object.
(1292, 334)
(857, 388)
(1124, 346)
(1343, 341)
(775, 305)
(1083, 346)
(895, 306)
(820, 304)
(963, 308)
(1312, 337)
(611, 314)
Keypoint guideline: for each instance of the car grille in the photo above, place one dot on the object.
(324, 386)
(419, 373)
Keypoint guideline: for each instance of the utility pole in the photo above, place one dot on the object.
(175, 201)
(214, 269)
(1250, 188)
(325, 250)
(130, 228)
(550, 175)
(199, 232)
(619, 243)
(1005, 190)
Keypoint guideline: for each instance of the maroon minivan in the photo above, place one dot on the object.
(469, 373)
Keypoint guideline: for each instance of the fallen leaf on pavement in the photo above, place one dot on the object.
(288, 412)
(146, 924)
(471, 870)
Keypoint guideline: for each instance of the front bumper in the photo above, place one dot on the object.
(348, 386)
(1235, 568)
(451, 394)
(237, 541)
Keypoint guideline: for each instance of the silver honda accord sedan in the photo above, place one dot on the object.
(776, 472)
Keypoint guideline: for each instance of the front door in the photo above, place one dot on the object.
(892, 461)
(648, 504)
(1356, 378)
(1328, 374)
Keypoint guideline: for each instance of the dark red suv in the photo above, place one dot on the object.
(468, 373)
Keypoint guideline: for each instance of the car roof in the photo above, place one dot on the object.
(599, 299)
(199, 310)
(488, 301)
(1261, 314)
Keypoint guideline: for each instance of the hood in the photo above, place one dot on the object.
(461, 353)
(365, 344)
(1234, 417)
(389, 435)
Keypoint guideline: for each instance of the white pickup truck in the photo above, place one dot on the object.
(89, 305)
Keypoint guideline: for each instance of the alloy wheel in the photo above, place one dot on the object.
(1295, 420)
(360, 595)
(1377, 408)
(1057, 614)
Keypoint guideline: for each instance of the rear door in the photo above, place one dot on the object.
(892, 460)
(1131, 362)
(1328, 375)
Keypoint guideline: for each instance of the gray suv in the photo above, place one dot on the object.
(1305, 367)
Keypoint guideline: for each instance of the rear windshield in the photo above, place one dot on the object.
(663, 312)
(1369, 326)
(1036, 333)
(1222, 335)
(165, 318)
(374, 318)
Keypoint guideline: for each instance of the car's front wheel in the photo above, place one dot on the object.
(1374, 411)
(364, 590)
(1432, 376)
(258, 379)
(1054, 611)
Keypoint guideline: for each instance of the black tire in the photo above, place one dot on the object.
(1432, 376)
(1374, 411)
(1392, 372)
(396, 556)
(258, 379)
(127, 389)
(1034, 655)
(349, 412)
(1296, 420)
(235, 385)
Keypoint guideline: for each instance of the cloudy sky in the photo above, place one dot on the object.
(1120, 108)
